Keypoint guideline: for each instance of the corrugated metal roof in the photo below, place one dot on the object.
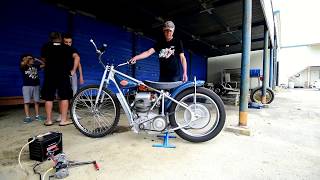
(209, 27)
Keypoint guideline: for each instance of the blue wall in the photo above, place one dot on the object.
(197, 67)
(25, 28)
(147, 69)
(118, 46)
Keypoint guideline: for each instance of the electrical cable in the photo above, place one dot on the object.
(36, 172)
(19, 157)
(46, 173)
(34, 168)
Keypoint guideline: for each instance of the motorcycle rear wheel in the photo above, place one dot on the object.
(210, 111)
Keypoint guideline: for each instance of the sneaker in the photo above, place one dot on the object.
(27, 120)
(39, 118)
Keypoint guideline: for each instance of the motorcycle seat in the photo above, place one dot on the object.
(162, 85)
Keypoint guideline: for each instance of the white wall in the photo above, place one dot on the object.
(291, 61)
(295, 59)
(216, 65)
(306, 77)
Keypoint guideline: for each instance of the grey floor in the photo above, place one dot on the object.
(285, 144)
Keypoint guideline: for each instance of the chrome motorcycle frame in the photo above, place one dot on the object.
(108, 76)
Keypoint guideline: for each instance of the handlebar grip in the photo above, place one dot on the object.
(91, 40)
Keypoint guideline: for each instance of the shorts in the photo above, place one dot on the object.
(30, 92)
(74, 83)
(60, 86)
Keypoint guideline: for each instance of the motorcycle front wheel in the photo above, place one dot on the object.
(209, 116)
(91, 119)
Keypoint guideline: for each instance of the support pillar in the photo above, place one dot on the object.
(245, 62)
(271, 67)
(265, 66)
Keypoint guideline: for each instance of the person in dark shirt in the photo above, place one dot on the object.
(67, 40)
(31, 85)
(60, 65)
(170, 51)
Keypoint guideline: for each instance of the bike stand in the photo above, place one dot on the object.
(165, 144)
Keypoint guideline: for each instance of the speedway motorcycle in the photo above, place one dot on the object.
(192, 111)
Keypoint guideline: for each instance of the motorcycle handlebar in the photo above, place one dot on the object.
(94, 45)
(101, 51)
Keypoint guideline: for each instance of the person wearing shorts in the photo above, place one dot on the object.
(67, 40)
(60, 65)
(31, 85)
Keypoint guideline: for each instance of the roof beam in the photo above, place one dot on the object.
(211, 11)
(182, 13)
(232, 30)
(160, 19)
(238, 43)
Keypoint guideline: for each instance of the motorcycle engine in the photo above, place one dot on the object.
(148, 120)
(143, 101)
(151, 122)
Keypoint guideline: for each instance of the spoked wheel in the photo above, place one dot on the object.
(256, 94)
(208, 120)
(91, 119)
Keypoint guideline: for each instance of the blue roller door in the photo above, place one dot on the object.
(25, 28)
(147, 69)
(198, 67)
(118, 49)
(26, 32)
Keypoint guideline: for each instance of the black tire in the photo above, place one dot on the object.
(219, 89)
(207, 95)
(255, 95)
(84, 112)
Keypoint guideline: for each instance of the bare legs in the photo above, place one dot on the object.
(63, 106)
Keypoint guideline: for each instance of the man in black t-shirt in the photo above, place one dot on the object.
(170, 51)
(60, 65)
(67, 40)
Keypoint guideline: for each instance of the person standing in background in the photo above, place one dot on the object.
(31, 85)
(60, 65)
(67, 40)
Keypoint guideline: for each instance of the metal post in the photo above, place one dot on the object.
(271, 68)
(265, 66)
(275, 57)
(245, 62)
(277, 67)
(275, 49)
(189, 65)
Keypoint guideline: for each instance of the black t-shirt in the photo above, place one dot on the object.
(30, 75)
(75, 50)
(59, 60)
(169, 57)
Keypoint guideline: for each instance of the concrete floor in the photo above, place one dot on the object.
(285, 144)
